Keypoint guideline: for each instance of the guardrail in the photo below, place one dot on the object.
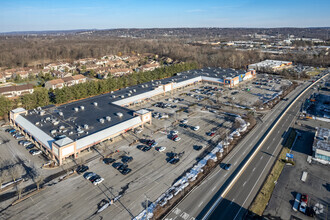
(230, 185)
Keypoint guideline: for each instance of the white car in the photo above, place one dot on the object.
(98, 181)
(161, 149)
(35, 152)
(196, 128)
(27, 143)
(175, 132)
(184, 121)
(177, 139)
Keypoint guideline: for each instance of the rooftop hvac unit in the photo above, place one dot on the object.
(56, 123)
(71, 132)
(42, 113)
(130, 91)
(142, 86)
(60, 113)
(108, 118)
(101, 120)
(37, 123)
(122, 96)
(114, 96)
(39, 108)
(53, 131)
(146, 86)
(47, 119)
(111, 92)
(134, 90)
(76, 109)
(82, 107)
(85, 126)
(129, 94)
(65, 130)
(95, 103)
(62, 127)
(119, 114)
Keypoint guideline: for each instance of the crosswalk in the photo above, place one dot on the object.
(180, 215)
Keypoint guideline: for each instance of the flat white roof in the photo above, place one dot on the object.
(37, 133)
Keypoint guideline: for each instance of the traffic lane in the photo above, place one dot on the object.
(247, 185)
(203, 193)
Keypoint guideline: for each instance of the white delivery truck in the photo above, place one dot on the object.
(304, 176)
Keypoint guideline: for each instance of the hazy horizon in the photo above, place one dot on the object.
(41, 15)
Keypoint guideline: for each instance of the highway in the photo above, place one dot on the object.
(227, 194)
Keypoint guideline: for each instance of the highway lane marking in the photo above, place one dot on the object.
(232, 201)
(255, 152)
(214, 188)
(235, 162)
(253, 169)
(184, 215)
(201, 203)
(268, 147)
(244, 183)
(261, 157)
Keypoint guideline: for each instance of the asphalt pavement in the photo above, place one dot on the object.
(205, 201)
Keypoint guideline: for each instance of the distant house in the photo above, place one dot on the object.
(149, 67)
(23, 74)
(84, 61)
(60, 74)
(101, 62)
(66, 81)
(54, 84)
(120, 72)
(2, 78)
(13, 91)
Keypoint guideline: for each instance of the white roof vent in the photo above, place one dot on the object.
(119, 114)
(85, 126)
(134, 90)
(130, 91)
(111, 92)
(76, 109)
(142, 86)
(108, 118)
(42, 112)
(129, 94)
(39, 108)
(122, 96)
(95, 103)
(101, 120)
(82, 107)
(60, 113)
(62, 127)
(53, 132)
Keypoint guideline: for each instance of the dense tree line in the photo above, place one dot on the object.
(43, 97)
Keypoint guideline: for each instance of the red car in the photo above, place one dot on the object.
(211, 133)
(304, 198)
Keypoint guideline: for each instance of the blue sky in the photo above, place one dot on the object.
(35, 15)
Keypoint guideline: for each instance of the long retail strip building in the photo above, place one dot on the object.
(66, 130)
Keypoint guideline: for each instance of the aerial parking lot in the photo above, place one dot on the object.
(142, 164)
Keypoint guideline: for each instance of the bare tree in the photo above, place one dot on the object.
(15, 172)
(39, 181)
(236, 124)
(19, 189)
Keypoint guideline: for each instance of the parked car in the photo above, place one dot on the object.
(19, 137)
(108, 160)
(184, 121)
(21, 142)
(195, 128)
(97, 181)
(303, 207)
(81, 169)
(146, 148)
(122, 167)
(174, 160)
(304, 198)
(198, 147)
(175, 132)
(26, 143)
(11, 131)
(29, 147)
(35, 152)
(126, 159)
(126, 171)
(89, 175)
(227, 166)
(211, 133)
(116, 165)
(140, 147)
(161, 149)
(177, 139)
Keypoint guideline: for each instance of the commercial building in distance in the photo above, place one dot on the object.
(66, 130)
(321, 145)
(270, 65)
